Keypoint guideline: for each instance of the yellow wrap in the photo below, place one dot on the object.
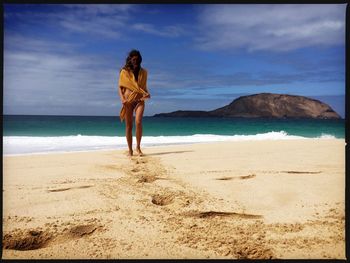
(127, 80)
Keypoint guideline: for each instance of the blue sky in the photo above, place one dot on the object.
(65, 59)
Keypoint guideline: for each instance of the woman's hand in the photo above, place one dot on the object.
(148, 96)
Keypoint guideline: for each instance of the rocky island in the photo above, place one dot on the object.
(266, 105)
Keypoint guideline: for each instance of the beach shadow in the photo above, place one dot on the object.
(225, 178)
(301, 172)
(59, 190)
(68, 188)
(163, 153)
(243, 177)
(211, 214)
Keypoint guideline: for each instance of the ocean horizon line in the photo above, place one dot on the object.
(63, 125)
(161, 117)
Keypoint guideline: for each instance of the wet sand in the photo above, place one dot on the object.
(229, 200)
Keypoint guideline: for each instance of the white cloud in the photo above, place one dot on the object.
(101, 9)
(166, 31)
(100, 20)
(46, 80)
(15, 41)
(279, 27)
(113, 21)
(104, 20)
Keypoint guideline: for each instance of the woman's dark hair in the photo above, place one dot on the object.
(132, 53)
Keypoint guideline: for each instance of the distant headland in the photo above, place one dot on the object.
(266, 105)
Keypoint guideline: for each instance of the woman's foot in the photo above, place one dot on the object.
(139, 152)
(130, 153)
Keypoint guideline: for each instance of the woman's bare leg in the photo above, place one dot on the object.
(128, 127)
(138, 121)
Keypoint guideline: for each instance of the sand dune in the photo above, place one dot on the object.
(262, 199)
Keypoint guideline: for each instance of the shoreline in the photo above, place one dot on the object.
(124, 148)
(218, 200)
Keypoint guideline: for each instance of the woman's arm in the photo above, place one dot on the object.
(121, 91)
(148, 96)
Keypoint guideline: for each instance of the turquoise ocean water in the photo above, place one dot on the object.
(32, 134)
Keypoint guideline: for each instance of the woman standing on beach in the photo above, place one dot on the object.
(133, 92)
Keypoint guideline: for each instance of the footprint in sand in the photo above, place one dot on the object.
(31, 239)
(162, 200)
(135, 170)
(81, 230)
(147, 179)
(143, 160)
(26, 240)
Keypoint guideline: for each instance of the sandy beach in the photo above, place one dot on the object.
(282, 199)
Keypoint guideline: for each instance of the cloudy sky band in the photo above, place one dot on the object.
(73, 53)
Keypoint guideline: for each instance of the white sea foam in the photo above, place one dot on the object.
(14, 145)
(327, 136)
